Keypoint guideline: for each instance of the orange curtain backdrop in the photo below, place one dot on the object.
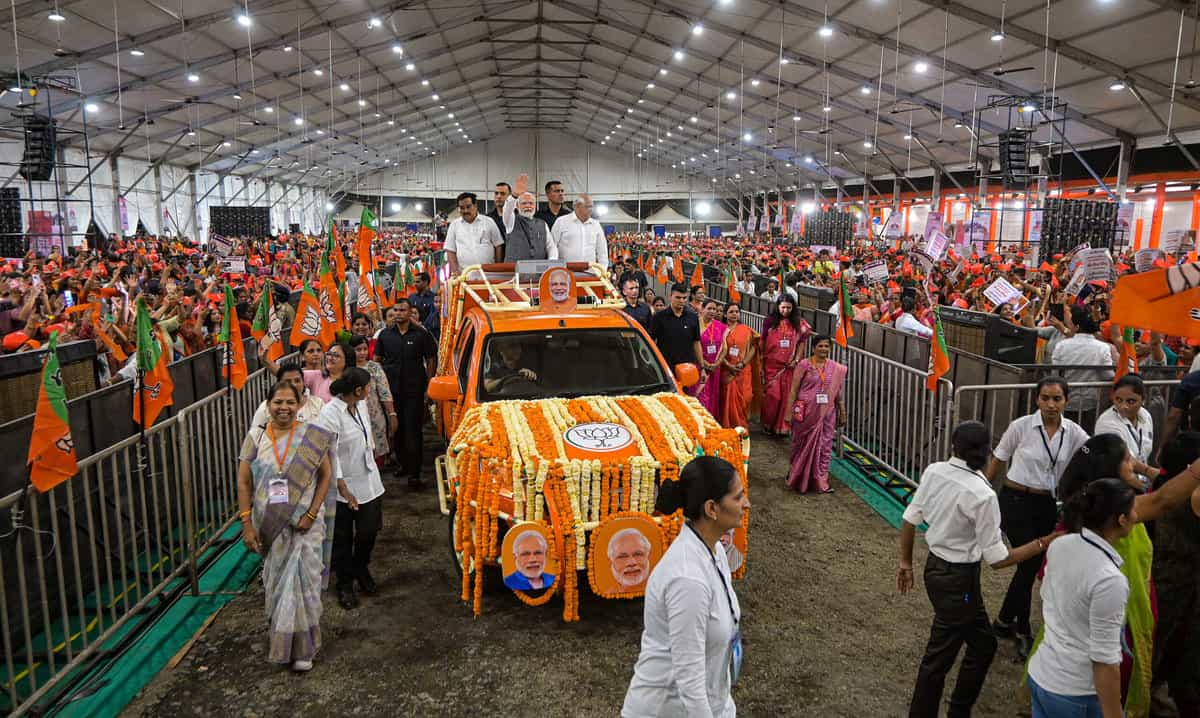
(1160, 199)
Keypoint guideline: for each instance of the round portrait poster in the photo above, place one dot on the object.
(556, 290)
(526, 559)
(624, 551)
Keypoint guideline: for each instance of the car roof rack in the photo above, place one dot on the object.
(502, 288)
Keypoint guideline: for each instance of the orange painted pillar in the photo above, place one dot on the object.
(802, 218)
(1138, 226)
(906, 210)
(1195, 225)
(991, 245)
(1160, 200)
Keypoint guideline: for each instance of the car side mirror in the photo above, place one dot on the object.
(444, 388)
(687, 375)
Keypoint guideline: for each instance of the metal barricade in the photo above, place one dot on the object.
(891, 416)
(996, 405)
(114, 544)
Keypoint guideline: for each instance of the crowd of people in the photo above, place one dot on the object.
(1119, 570)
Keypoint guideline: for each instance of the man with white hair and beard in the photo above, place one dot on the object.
(527, 236)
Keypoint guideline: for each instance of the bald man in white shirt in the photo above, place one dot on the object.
(579, 237)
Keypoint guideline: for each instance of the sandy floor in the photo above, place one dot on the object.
(826, 632)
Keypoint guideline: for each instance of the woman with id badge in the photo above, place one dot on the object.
(712, 340)
(783, 346)
(691, 652)
(359, 485)
(284, 504)
(737, 371)
(817, 410)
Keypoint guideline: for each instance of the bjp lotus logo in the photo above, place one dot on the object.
(598, 436)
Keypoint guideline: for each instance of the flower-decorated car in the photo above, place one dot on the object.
(562, 418)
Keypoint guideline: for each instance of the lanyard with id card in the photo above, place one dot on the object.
(735, 641)
(277, 485)
(367, 459)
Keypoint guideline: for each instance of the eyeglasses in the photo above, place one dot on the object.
(333, 355)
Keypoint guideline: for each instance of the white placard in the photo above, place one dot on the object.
(220, 246)
(1098, 265)
(935, 244)
(233, 265)
(1143, 260)
(893, 230)
(876, 272)
(1173, 241)
(933, 224)
(1001, 291)
(1125, 217)
(1077, 281)
(1035, 226)
(1077, 257)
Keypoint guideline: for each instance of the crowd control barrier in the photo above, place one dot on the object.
(88, 562)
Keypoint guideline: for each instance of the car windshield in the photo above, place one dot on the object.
(569, 363)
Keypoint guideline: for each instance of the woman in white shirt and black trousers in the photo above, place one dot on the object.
(1038, 448)
(359, 486)
(959, 505)
(691, 645)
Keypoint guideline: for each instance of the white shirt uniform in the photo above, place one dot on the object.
(1083, 603)
(474, 242)
(962, 511)
(908, 323)
(354, 452)
(579, 241)
(682, 670)
(1035, 459)
(1138, 436)
(308, 411)
(1084, 350)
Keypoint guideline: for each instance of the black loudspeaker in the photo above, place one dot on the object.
(1014, 158)
(1008, 343)
(240, 221)
(12, 241)
(294, 228)
(38, 161)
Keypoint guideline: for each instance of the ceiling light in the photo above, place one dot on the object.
(641, 102)
(783, 61)
(921, 67)
(92, 107)
(287, 48)
(395, 206)
(1028, 107)
(362, 102)
(730, 95)
(826, 31)
(391, 122)
(298, 121)
(754, 82)
(997, 36)
(227, 143)
(55, 16)
(649, 85)
(958, 124)
(254, 151)
(378, 114)
(697, 29)
(397, 49)
(424, 83)
(603, 142)
(867, 144)
(136, 52)
(662, 70)
(320, 132)
(796, 118)
(808, 160)
(318, 71)
(703, 208)
(268, 109)
(618, 125)
(436, 97)
(244, 20)
(908, 137)
(191, 133)
(450, 115)
(374, 22)
(679, 54)
(827, 108)
(1117, 86)
(864, 90)
(747, 137)
(410, 67)
(344, 87)
(329, 206)
(193, 77)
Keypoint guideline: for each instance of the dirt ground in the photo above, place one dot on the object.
(826, 632)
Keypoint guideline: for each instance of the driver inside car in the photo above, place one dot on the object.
(501, 373)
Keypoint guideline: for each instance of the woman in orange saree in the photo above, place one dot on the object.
(737, 383)
(784, 342)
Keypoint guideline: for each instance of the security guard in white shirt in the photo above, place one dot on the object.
(963, 515)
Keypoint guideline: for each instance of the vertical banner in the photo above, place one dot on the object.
(979, 230)
(933, 223)
(124, 214)
(1035, 226)
(893, 229)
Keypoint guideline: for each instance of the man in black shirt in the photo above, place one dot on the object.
(634, 306)
(422, 299)
(503, 190)
(554, 201)
(676, 330)
(407, 352)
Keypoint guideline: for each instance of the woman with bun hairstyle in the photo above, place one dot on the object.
(359, 485)
(691, 645)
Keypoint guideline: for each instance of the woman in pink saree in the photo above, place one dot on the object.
(817, 410)
(712, 352)
(784, 338)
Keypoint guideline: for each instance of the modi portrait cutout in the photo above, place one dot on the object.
(526, 559)
(624, 551)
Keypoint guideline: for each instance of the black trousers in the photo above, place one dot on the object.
(958, 617)
(1023, 518)
(354, 535)
(409, 440)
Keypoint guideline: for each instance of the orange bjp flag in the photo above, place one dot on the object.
(307, 324)
(1163, 300)
(155, 391)
(51, 449)
(697, 275)
(233, 351)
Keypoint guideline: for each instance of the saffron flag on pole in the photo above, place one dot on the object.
(333, 248)
(233, 350)
(155, 391)
(51, 449)
(329, 301)
(845, 328)
(1127, 361)
(307, 324)
(677, 274)
(731, 281)
(697, 275)
(1163, 300)
(384, 296)
(366, 235)
(267, 328)
(366, 292)
(939, 356)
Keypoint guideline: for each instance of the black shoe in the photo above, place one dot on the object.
(1003, 630)
(367, 584)
(347, 598)
(1024, 646)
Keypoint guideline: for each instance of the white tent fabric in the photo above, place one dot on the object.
(668, 216)
(615, 215)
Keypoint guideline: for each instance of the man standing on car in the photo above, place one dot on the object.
(407, 352)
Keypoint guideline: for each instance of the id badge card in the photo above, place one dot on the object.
(785, 343)
(368, 460)
(712, 348)
(735, 351)
(735, 657)
(822, 398)
(277, 491)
